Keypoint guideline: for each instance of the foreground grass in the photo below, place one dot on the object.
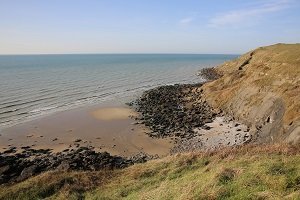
(249, 172)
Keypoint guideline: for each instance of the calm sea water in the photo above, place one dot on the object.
(36, 85)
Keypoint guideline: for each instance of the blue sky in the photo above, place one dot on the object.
(145, 26)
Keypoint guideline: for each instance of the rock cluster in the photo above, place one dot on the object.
(209, 73)
(173, 110)
(20, 166)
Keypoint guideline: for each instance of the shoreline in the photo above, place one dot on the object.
(131, 128)
(162, 122)
(102, 103)
(106, 127)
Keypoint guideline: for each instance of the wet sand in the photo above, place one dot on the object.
(107, 128)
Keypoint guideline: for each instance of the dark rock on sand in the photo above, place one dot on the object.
(174, 110)
(20, 166)
(10, 150)
(77, 140)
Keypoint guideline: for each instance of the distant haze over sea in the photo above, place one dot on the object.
(35, 85)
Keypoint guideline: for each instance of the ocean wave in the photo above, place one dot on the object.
(28, 102)
(9, 102)
(9, 111)
(38, 110)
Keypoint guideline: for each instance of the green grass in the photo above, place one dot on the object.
(249, 172)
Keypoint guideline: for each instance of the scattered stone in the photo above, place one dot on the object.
(206, 127)
(77, 140)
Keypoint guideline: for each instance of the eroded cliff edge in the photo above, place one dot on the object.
(262, 89)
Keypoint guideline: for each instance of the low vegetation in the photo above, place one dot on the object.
(248, 172)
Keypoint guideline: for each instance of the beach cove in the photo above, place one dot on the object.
(104, 128)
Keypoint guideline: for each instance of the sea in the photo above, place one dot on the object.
(33, 86)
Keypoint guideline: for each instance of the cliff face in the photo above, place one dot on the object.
(262, 89)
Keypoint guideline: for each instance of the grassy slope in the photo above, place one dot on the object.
(265, 172)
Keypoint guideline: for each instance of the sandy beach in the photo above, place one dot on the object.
(106, 128)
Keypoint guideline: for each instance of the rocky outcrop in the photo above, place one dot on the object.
(174, 110)
(15, 167)
(262, 89)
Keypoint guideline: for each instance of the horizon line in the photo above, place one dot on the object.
(41, 54)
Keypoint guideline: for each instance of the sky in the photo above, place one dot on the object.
(146, 26)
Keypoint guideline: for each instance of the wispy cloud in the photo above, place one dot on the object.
(237, 17)
(186, 21)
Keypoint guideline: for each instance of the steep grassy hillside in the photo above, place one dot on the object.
(262, 89)
(249, 172)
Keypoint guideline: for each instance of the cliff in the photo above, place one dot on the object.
(262, 89)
